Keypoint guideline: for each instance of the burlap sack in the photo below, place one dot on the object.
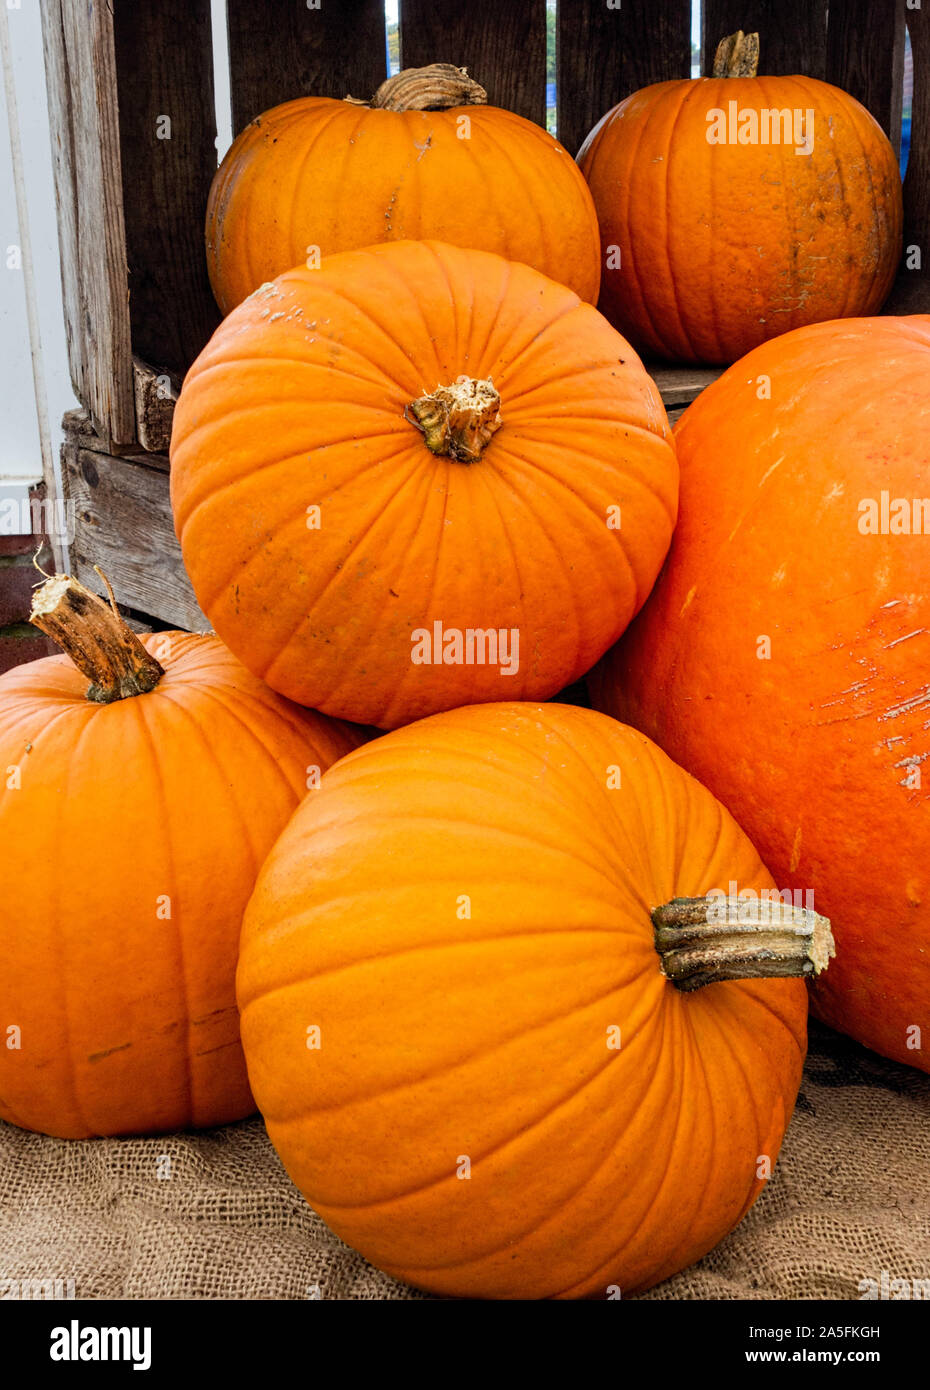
(850, 1198)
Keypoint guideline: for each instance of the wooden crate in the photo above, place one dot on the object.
(131, 203)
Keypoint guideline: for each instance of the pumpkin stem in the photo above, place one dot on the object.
(434, 88)
(737, 56)
(457, 421)
(96, 637)
(703, 940)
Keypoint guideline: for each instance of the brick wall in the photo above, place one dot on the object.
(19, 640)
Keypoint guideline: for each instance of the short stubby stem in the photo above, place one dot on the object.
(702, 941)
(737, 55)
(438, 87)
(458, 421)
(97, 639)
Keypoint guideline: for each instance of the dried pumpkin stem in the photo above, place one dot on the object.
(457, 421)
(433, 88)
(703, 940)
(737, 55)
(97, 639)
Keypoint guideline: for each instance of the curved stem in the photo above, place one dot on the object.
(434, 88)
(737, 56)
(701, 941)
(96, 638)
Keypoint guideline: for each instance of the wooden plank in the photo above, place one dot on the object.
(164, 57)
(156, 394)
(602, 55)
(503, 46)
(679, 385)
(80, 68)
(911, 294)
(123, 523)
(280, 49)
(792, 33)
(865, 56)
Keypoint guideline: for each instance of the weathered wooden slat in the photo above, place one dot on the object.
(156, 394)
(680, 385)
(865, 56)
(164, 58)
(280, 49)
(911, 294)
(83, 116)
(123, 524)
(603, 54)
(792, 33)
(503, 46)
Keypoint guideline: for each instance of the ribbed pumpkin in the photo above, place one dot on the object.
(133, 824)
(713, 248)
(457, 1024)
(784, 657)
(427, 158)
(415, 443)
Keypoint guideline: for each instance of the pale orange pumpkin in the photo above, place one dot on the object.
(133, 821)
(426, 159)
(470, 1006)
(416, 442)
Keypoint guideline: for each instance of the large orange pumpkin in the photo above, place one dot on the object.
(713, 248)
(784, 657)
(426, 159)
(457, 1024)
(132, 830)
(420, 477)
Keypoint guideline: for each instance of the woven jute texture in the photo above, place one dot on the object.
(850, 1198)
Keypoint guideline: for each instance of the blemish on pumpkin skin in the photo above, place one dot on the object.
(688, 601)
(912, 892)
(99, 1056)
(795, 852)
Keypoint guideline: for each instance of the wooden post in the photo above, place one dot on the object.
(503, 46)
(83, 115)
(604, 55)
(792, 33)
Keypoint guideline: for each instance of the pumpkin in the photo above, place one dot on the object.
(133, 820)
(494, 1025)
(734, 208)
(784, 655)
(419, 477)
(427, 158)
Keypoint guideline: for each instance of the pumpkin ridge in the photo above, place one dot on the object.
(255, 730)
(426, 478)
(628, 199)
(524, 494)
(497, 1148)
(556, 1212)
(689, 90)
(448, 1068)
(872, 303)
(163, 821)
(378, 516)
(59, 932)
(324, 128)
(242, 568)
(198, 736)
(518, 173)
